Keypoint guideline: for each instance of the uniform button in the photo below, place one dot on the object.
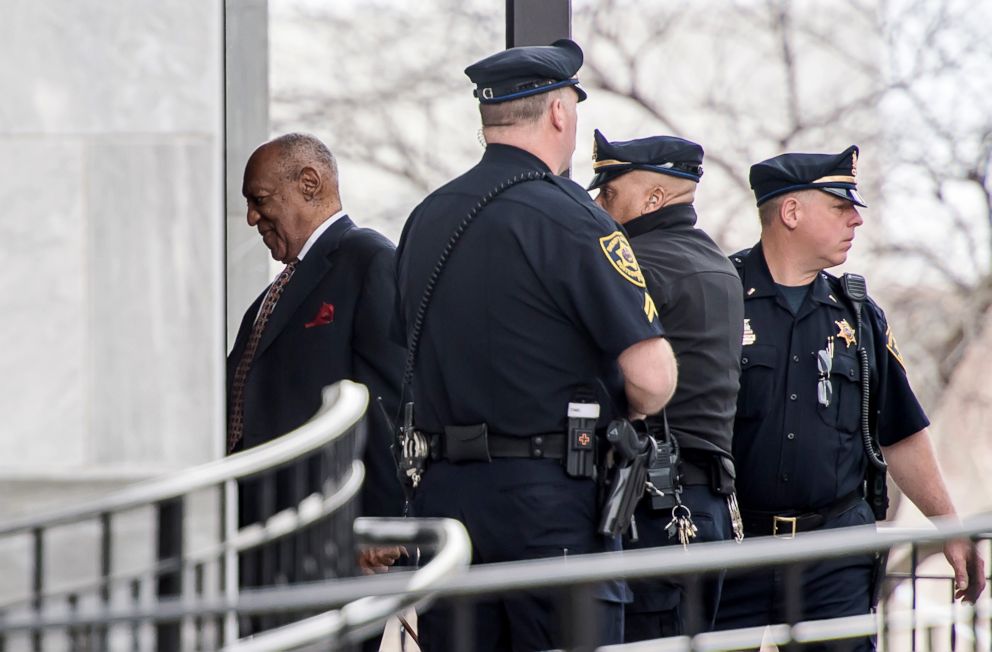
(791, 435)
(795, 358)
(744, 360)
(851, 373)
(785, 477)
(538, 440)
(538, 452)
(793, 397)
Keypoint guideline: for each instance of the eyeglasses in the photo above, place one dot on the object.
(824, 364)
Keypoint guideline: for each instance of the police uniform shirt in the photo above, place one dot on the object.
(539, 297)
(698, 296)
(792, 452)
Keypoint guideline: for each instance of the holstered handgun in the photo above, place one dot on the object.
(878, 576)
(633, 453)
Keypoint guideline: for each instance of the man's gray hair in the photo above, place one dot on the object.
(299, 150)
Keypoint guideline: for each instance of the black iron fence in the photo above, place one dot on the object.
(164, 566)
(179, 539)
(943, 627)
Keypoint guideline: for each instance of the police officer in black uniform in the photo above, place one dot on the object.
(648, 185)
(799, 445)
(540, 304)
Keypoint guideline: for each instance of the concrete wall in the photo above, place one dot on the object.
(111, 237)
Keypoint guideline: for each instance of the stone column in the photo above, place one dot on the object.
(247, 110)
(112, 241)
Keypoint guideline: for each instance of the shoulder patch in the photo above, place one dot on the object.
(890, 344)
(620, 254)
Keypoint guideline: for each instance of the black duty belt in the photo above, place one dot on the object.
(544, 446)
(694, 473)
(788, 524)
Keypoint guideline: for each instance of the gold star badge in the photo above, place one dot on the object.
(846, 333)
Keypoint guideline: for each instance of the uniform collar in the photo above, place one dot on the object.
(669, 217)
(497, 153)
(758, 280)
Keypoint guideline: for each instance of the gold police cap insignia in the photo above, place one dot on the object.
(749, 336)
(620, 254)
(846, 333)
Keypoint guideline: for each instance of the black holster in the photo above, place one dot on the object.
(878, 576)
(877, 492)
(633, 453)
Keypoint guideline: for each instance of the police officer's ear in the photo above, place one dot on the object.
(790, 211)
(556, 110)
(655, 199)
(309, 183)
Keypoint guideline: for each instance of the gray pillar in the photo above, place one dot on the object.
(247, 111)
(111, 180)
(537, 22)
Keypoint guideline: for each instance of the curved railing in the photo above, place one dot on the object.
(178, 539)
(186, 593)
(569, 582)
(365, 616)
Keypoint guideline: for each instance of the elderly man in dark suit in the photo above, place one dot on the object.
(326, 316)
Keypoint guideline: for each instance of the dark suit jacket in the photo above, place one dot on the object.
(350, 269)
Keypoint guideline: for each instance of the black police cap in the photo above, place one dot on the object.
(523, 71)
(664, 154)
(833, 173)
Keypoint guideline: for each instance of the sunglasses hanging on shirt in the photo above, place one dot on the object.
(824, 364)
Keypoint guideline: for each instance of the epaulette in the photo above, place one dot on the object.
(738, 260)
(832, 279)
(576, 194)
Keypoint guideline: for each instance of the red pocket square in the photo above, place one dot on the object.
(324, 316)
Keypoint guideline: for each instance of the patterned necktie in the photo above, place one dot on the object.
(236, 418)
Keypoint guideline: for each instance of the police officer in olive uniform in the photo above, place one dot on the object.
(540, 304)
(648, 185)
(799, 445)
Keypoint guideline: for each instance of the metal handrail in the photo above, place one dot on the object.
(343, 406)
(327, 442)
(277, 526)
(808, 631)
(546, 573)
(454, 554)
(701, 557)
